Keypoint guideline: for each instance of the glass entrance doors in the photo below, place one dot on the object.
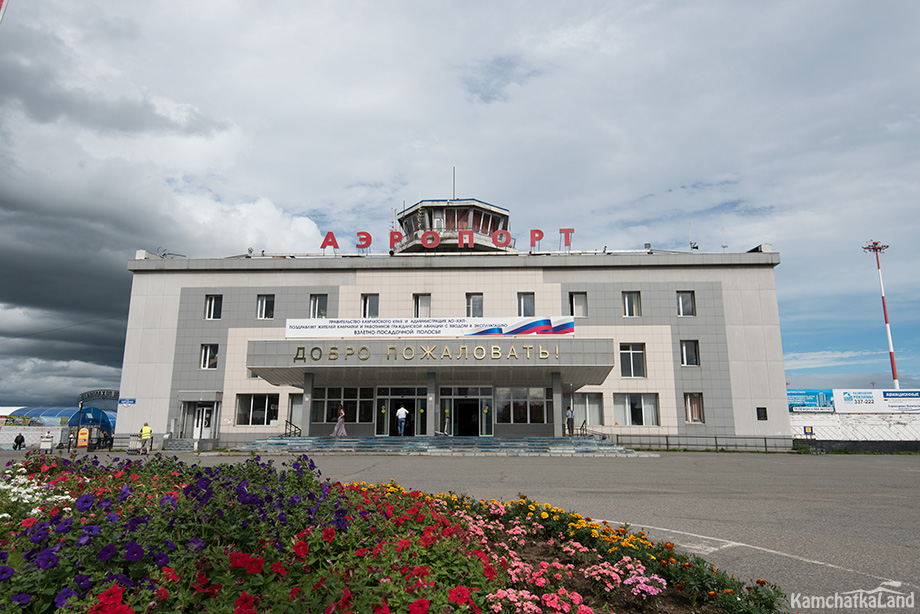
(466, 411)
(389, 400)
(204, 414)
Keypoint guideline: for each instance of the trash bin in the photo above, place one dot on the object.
(134, 444)
(46, 443)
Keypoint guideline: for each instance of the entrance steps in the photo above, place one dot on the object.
(440, 446)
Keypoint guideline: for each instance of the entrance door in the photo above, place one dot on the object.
(409, 430)
(204, 413)
(466, 417)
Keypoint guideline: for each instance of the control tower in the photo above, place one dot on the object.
(446, 218)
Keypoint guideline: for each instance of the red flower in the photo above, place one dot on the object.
(277, 567)
(420, 606)
(402, 544)
(239, 559)
(28, 522)
(383, 608)
(170, 574)
(294, 592)
(246, 601)
(161, 594)
(255, 565)
(301, 549)
(113, 595)
(328, 534)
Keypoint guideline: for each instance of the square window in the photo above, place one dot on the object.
(693, 405)
(525, 301)
(761, 413)
(422, 308)
(265, 307)
(474, 305)
(578, 304)
(318, 305)
(632, 305)
(209, 356)
(256, 409)
(370, 305)
(632, 359)
(686, 304)
(690, 353)
(213, 304)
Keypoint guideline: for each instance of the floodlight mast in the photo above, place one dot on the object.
(875, 246)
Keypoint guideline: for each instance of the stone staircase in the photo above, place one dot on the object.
(440, 446)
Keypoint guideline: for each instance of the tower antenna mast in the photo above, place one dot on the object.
(875, 246)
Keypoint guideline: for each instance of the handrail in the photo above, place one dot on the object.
(291, 429)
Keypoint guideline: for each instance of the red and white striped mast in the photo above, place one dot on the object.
(875, 246)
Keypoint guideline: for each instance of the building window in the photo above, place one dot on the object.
(525, 304)
(693, 404)
(318, 303)
(357, 402)
(523, 405)
(686, 304)
(632, 359)
(588, 408)
(256, 409)
(632, 305)
(578, 304)
(422, 305)
(212, 306)
(474, 305)
(761, 413)
(370, 305)
(636, 409)
(689, 353)
(265, 307)
(209, 356)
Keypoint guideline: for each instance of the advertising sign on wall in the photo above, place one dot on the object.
(877, 401)
(428, 327)
(811, 401)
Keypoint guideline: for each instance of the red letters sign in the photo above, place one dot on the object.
(431, 239)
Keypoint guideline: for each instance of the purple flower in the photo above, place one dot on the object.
(124, 493)
(4, 556)
(121, 578)
(104, 504)
(194, 544)
(6, 572)
(63, 526)
(82, 581)
(169, 544)
(83, 540)
(47, 559)
(133, 552)
(161, 559)
(21, 598)
(62, 597)
(106, 553)
(39, 537)
(84, 503)
(91, 529)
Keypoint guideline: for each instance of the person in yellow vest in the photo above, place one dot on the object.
(146, 438)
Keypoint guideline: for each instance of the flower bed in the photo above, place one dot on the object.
(162, 536)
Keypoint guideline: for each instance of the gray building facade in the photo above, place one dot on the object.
(663, 342)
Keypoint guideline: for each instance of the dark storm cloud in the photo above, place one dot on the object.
(38, 76)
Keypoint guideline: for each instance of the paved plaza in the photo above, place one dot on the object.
(817, 525)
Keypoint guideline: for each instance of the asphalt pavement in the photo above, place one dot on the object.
(815, 524)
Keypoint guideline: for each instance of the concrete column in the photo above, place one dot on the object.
(433, 404)
(558, 409)
(307, 409)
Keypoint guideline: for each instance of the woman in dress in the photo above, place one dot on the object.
(339, 430)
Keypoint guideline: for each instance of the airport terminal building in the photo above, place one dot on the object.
(475, 332)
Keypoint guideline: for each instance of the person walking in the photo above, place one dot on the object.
(401, 415)
(339, 430)
(570, 421)
(146, 438)
(19, 442)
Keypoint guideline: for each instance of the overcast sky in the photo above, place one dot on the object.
(209, 127)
